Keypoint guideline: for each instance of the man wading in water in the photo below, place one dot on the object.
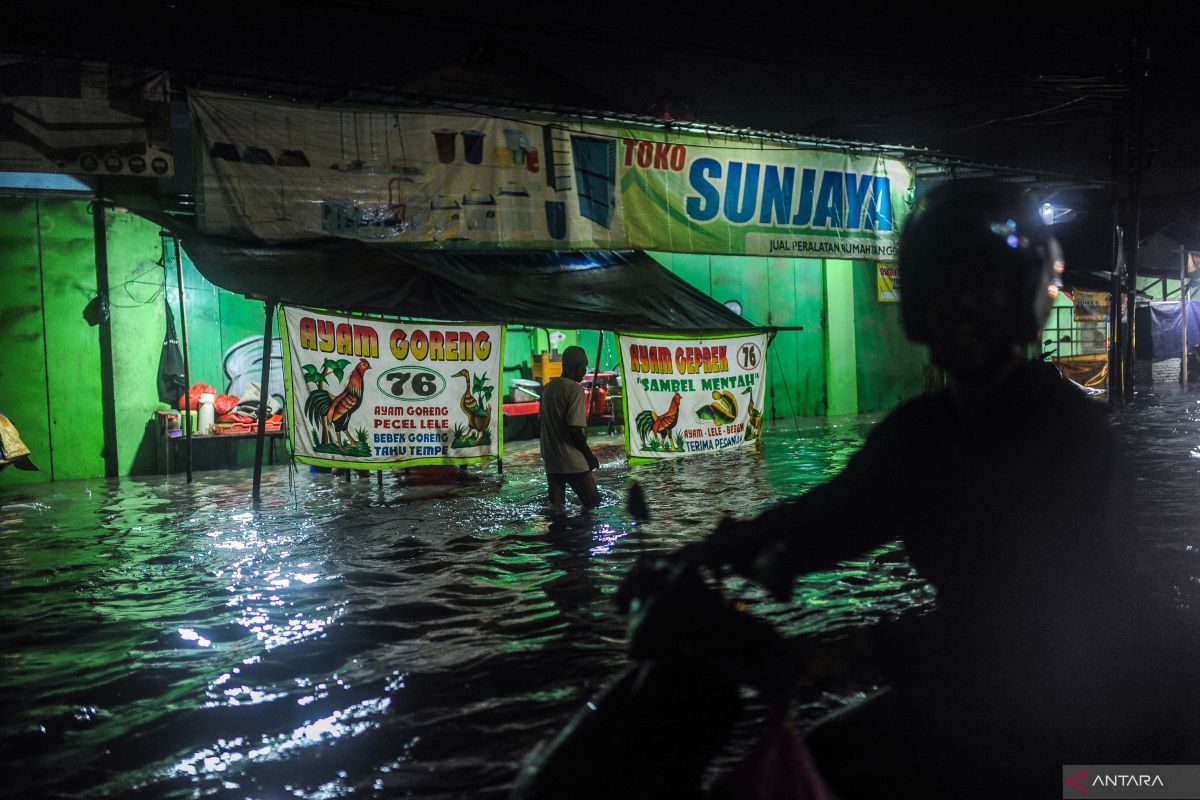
(1041, 651)
(562, 423)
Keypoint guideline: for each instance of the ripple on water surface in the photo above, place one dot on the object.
(160, 639)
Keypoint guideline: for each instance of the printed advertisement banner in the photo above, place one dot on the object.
(1091, 306)
(70, 118)
(369, 392)
(695, 394)
(458, 179)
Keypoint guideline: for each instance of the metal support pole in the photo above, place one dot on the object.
(596, 373)
(107, 392)
(1185, 295)
(599, 350)
(187, 370)
(264, 393)
(1115, 392)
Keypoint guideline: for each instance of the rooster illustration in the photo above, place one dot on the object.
(659, 425)
(326, 410)
(478, 414)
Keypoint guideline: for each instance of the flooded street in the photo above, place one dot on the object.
(416, 639)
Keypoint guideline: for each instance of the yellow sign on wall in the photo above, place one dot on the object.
(888, 282)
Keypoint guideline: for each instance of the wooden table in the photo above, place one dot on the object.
(173, 448)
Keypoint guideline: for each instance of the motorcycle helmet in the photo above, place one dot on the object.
(980, 230)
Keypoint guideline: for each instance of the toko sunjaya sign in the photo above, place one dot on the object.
(368, 392)
(462, 180)
(694, 394)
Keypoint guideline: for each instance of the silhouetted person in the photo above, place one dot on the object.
(562, 423)
(1001, 487)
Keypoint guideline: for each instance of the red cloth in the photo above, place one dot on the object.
(780, 767)
(241, 418)
(225, 403)
(194, 395)
(598, 403)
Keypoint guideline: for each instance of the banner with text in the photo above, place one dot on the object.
(368, 392)
(84, 120)
(693, 394)
(457, 179)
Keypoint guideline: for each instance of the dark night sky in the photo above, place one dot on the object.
(1004, 88)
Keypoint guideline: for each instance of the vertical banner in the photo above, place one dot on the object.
(691, 394)
(372, 393)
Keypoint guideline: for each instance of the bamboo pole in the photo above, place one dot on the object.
(264, 393)
(1185, 294)
(187, 370)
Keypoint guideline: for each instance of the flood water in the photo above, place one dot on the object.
(412, 640)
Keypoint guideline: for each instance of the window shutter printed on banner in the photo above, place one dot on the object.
(596, 177)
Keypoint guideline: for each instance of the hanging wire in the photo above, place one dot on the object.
(791, 405)
(782, 372)
(292, 474)
(387, 147)
(159, 288)
(400, 136)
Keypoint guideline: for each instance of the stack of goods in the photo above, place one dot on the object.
(235, 414)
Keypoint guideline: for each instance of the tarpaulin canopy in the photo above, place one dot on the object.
(1166, 327)
(602, 290)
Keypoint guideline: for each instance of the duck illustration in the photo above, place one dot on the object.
(479, 416)
(754, 418)
(722, 410)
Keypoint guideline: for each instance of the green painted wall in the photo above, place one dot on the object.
(23, 365)
(216, 319)
(851, 357)
(135, 279)
(888, 367)
(51, 375)
(773, 291)
(796, 363)
(610, 357)
(51, 387)
(842, 365)
(72, 346)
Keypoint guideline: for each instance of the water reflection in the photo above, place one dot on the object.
(158, 639)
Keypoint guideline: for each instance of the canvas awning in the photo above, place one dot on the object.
(601, 290)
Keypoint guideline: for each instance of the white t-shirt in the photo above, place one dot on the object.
(562, 407)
